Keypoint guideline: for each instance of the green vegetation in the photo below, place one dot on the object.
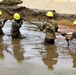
(9, 1)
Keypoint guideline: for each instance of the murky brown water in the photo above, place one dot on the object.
(29, 57)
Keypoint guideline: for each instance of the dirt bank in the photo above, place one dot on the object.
(30, 14)
(61, 6)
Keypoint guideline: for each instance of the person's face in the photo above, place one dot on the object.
(74, 26)
(49, 17)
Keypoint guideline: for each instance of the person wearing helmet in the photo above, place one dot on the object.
(51, 16)
(74, 33)
(50, 27)
(16, 24)
(71, 35)
(2, 22)
(0, 13)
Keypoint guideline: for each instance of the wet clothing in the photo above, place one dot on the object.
(49, 41)
(2, 22)
(1, 32)
(50, 27)
(74, 34)
(15, 32)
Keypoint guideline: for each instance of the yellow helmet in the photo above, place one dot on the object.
(74, 23)
(0, 13)
(16, 16)
(49, 14)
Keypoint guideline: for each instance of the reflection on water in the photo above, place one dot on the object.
(29, 51)
(50, 58)
(18, 52)
(1, 49)
(73, 54)
(13, 47)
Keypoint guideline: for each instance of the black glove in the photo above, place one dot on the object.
(5, 21)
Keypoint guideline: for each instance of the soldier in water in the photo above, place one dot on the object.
(2, 22)
(50, 27)
(16, 24)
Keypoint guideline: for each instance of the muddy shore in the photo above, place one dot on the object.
(30, 14)
(29, 56)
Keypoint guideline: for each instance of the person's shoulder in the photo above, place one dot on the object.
(45, 23)
(53, 21)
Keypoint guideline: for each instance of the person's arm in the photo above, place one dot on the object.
(56, 27)
(41, 27)
(74, 34)
(21, 21)
(0, 23)
(4, 21)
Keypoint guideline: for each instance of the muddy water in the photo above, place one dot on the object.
(65, 22)
(29, 56)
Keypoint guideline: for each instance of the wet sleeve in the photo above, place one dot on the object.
(21, 21)
(15, 24)
(74, 34)
(43, 26)
(1, 23)
(4, 21)
(56, 27)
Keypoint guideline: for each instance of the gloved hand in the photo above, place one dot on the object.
(67, 41)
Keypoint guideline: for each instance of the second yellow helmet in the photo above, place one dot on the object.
(49, 14)
(74, 23)
(16, 16)
(0, 13)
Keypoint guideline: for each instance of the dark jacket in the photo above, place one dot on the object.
(2, 22)
(16, 24)
(74, 34)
